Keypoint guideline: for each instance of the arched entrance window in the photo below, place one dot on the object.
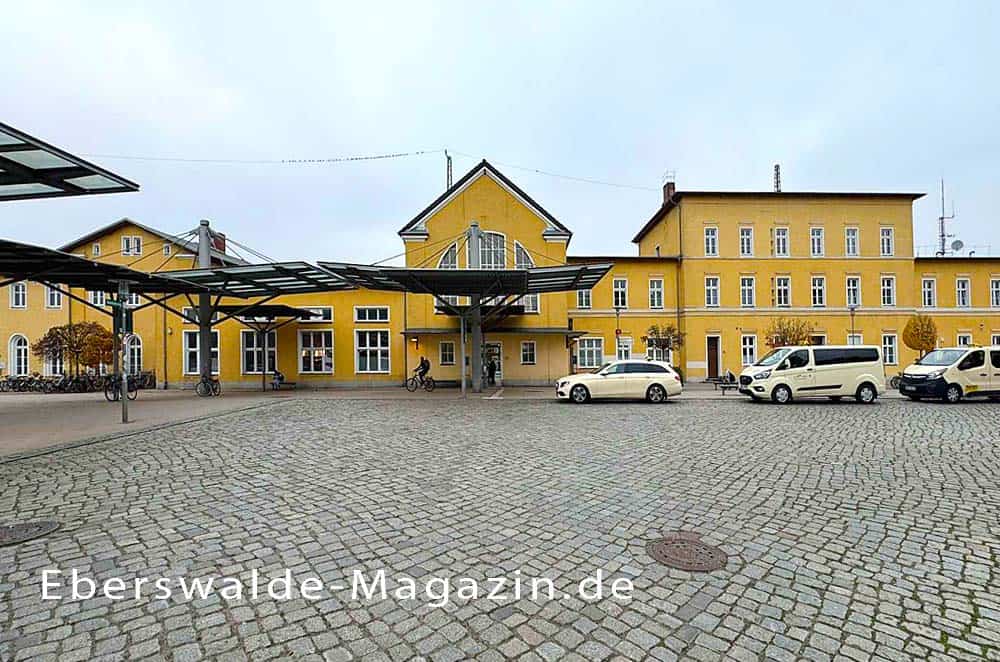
(134, 355)
(18, 356)
(522, 260)
(449, 260)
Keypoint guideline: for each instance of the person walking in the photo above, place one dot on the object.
(491, 371)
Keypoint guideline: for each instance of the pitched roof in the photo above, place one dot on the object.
(191, 246)
(417, 228)
(676, 198)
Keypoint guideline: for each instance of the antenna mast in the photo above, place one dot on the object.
(447, 159)
(777, 178)
(942, 231)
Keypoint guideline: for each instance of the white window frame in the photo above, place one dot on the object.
(272, 350)
(441, 351)
(855, 338)
(959, 291)
(887, 241)
(53, 298)
(849, 250)
(167, 249)
(328, 350)
(594, 349)
(19, 295)
(525, 344)
(925, 290)
(748, 291)
(711, 235)
(963, 340)
(746, 241)
(369, 320)
(14, 354)
(134, 354)
(131, 245)
(656, 290)
(95, 249)
(449, 260)
(782, 240)
(186, 351)
(748, 350)
(995, 293)
(890, 357)
(97, 297)
(891, 280)
(817, 241)
(713, 286)
(523, 260)
(777, 291)
(377, 349)
(856, 302)
(995, 339)
(818, 302)
(584, 299)
(623, 348)
(488, 250)
(321, 319)
(54, 365)
(619, 285)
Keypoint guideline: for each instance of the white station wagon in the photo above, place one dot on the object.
(653, 381)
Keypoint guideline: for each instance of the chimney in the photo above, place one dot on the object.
(777, 178)
(669, 187)
(219, 241)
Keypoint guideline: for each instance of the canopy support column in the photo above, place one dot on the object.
(204, 305)
(476, 311)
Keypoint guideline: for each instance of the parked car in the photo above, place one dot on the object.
(953, 373)
(653, 381)
(830, 371)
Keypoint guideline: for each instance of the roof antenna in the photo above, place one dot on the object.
(447, 159)
(777, 178)
(943, 235)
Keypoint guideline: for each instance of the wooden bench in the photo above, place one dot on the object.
(277, 386)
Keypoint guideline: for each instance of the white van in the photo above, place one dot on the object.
(953, 373)
(822, 371)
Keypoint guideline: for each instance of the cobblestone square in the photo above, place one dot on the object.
(854, 532)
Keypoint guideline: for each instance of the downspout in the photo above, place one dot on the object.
(680, 270)
(163, 312)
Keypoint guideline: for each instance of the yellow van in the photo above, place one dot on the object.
(953, 373)
(822, 371)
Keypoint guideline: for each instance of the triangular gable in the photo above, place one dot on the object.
(417, 227)
(190, 246)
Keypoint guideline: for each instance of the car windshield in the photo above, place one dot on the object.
(601, 368)
(774, 356)
(940, 357)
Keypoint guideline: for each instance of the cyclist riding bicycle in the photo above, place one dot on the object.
(422, 369)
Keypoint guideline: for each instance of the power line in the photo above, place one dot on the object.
(336, 159)
(547, 173)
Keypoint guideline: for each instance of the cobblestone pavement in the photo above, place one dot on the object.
(854, 532)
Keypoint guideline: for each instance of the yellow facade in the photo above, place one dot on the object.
(696, 258)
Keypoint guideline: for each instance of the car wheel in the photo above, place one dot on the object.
(781, 394)
(656, 394)
(579, 394)
(953, 394)
(866, 394)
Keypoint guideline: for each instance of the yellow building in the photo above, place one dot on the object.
(719, 266)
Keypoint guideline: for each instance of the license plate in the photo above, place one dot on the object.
(909, 388)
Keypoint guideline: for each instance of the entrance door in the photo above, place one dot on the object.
(712, 352)
(493, 350)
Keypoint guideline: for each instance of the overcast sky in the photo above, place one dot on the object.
(846, 96)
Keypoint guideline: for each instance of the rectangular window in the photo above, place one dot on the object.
(619, 291)
(995, 341)
(590, 352)
(95, 249)
(889, 348)
(748, 291)
(131, 245)
(372, 352)
(371, 313)
(887, 242)
(253, 351)
(888, 291)
(191, 352)
(711, 242)
(816, 242)
(928, 292)
(851, 242)
(656, 293)
(316, 352)
(783, 291)
(528, 352)
(746, 242)
(748, 349)
(19, 295)
(446, 352)
(965, 340)
(854, 291)
(818, 291)
(962, 296)
(583, 298)
(855, 339)
(624, 349)
(192, 314)
(712, 291)
(320, 314)
(53, 298)
(166, 249)
(995, 292)
(781, 242)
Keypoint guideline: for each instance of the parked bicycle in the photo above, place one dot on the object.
(208, 386)
(112, 388)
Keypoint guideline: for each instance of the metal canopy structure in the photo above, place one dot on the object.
(29, 262)
(470, 282)
(264, 280)
(263, 318)
(31, 168)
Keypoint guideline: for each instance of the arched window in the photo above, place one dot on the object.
(449, 260)
(18, 356)
(492, 251)
(134, 355)
(54, 364)
(522, 260)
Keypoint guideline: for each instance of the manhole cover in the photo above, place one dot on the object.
(12, 534)
(683, 551)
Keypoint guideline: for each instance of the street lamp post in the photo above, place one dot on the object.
(618, 331)
(853, 309)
